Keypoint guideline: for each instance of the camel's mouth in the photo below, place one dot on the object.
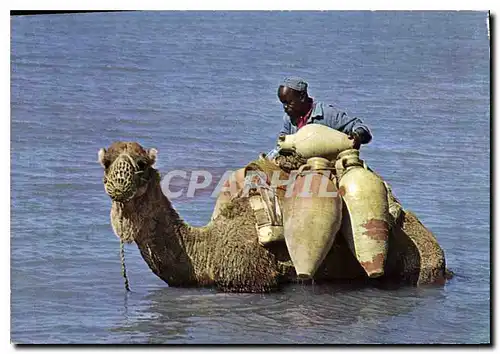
(118, 195)
(119, 192)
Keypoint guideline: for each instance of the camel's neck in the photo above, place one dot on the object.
(165, 241)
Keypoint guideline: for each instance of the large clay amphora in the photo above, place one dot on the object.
(312, 216)
(365, 223)
(316, 140)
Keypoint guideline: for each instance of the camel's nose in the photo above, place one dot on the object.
(118, 191)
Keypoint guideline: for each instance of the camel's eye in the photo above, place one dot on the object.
(141, 164)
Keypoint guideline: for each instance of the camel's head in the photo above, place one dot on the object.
(128, 168)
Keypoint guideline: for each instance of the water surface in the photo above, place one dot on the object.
(201, 88)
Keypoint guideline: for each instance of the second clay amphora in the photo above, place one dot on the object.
(365, 223)
(312, 216)
(316, 140)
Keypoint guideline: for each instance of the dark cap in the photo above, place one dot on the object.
(295, 83)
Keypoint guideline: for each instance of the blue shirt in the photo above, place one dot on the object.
(331, 117)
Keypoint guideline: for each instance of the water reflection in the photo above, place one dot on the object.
(299, 314)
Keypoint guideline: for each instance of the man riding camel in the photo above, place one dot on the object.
(300, 110)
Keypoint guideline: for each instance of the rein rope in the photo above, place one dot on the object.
(124, 269)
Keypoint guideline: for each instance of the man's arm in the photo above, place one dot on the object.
(355, 127)
(352, 126)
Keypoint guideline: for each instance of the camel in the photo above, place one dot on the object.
(225, 254)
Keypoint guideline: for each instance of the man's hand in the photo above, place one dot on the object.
(355, 135)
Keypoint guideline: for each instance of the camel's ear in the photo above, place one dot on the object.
(152, 153)
(100, 156)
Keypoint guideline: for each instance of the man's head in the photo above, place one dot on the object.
(293, 95)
